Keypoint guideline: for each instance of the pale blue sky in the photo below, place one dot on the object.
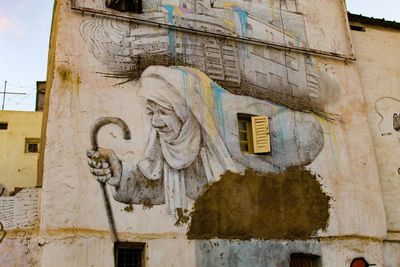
(387, 9)
(24, 40)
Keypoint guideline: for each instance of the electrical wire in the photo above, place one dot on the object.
(19, 86)
(26, 93)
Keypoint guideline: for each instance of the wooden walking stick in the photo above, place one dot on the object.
(93, 138)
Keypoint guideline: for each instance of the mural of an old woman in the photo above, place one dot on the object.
(194, 139)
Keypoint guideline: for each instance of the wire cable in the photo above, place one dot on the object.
(19, 86)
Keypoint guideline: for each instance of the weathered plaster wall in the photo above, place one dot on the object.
(49, 77)
(86, 251)
(378, 63)
(96, 70)
(276, 253)
(18, 168)
(20, 244)
(321, 34)
(21, 249)
(391, 254)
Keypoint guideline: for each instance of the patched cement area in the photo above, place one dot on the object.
(254, 253)
(289, 205)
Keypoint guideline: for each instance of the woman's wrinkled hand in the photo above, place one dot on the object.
(105, 166)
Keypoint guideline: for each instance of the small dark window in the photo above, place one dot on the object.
(32, 145)
(304, 260)
(396, 122)
(126, 5)
(3, 125)
(357, 28)
(129, 254)
(33, 148)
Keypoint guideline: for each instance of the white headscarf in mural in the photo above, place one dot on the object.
(189, 94)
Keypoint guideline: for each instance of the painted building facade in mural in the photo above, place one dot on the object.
(204, 44)
(156, 104)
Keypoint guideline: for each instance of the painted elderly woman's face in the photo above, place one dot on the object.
(164, 120)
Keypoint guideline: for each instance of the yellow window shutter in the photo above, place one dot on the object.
(261, 137)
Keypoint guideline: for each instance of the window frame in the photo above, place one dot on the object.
(245, 118)
(253, 140)
(124, 6)
(357, 28)
(129, 245)
(314, 260)
(30, 141)
(4, 123)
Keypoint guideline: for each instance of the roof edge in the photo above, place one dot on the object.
(373, 21)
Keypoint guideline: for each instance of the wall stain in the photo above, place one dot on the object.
(65, 74)
(289, 205)
(182, 217)
(68, 78)
(128, 208)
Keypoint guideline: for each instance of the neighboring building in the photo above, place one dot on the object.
(40, 93)
(197, 133)
(19, 148)
(376, 43)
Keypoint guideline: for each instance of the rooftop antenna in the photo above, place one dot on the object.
(8, 93)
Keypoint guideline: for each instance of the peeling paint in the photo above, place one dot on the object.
(218, 91)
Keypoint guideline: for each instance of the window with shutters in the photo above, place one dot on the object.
(254, 136)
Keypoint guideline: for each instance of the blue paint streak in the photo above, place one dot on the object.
(298, 41)
(310, 60)
(243, 15)
(185, 87)
(218, 91)
(171, 34)
(283, 134)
